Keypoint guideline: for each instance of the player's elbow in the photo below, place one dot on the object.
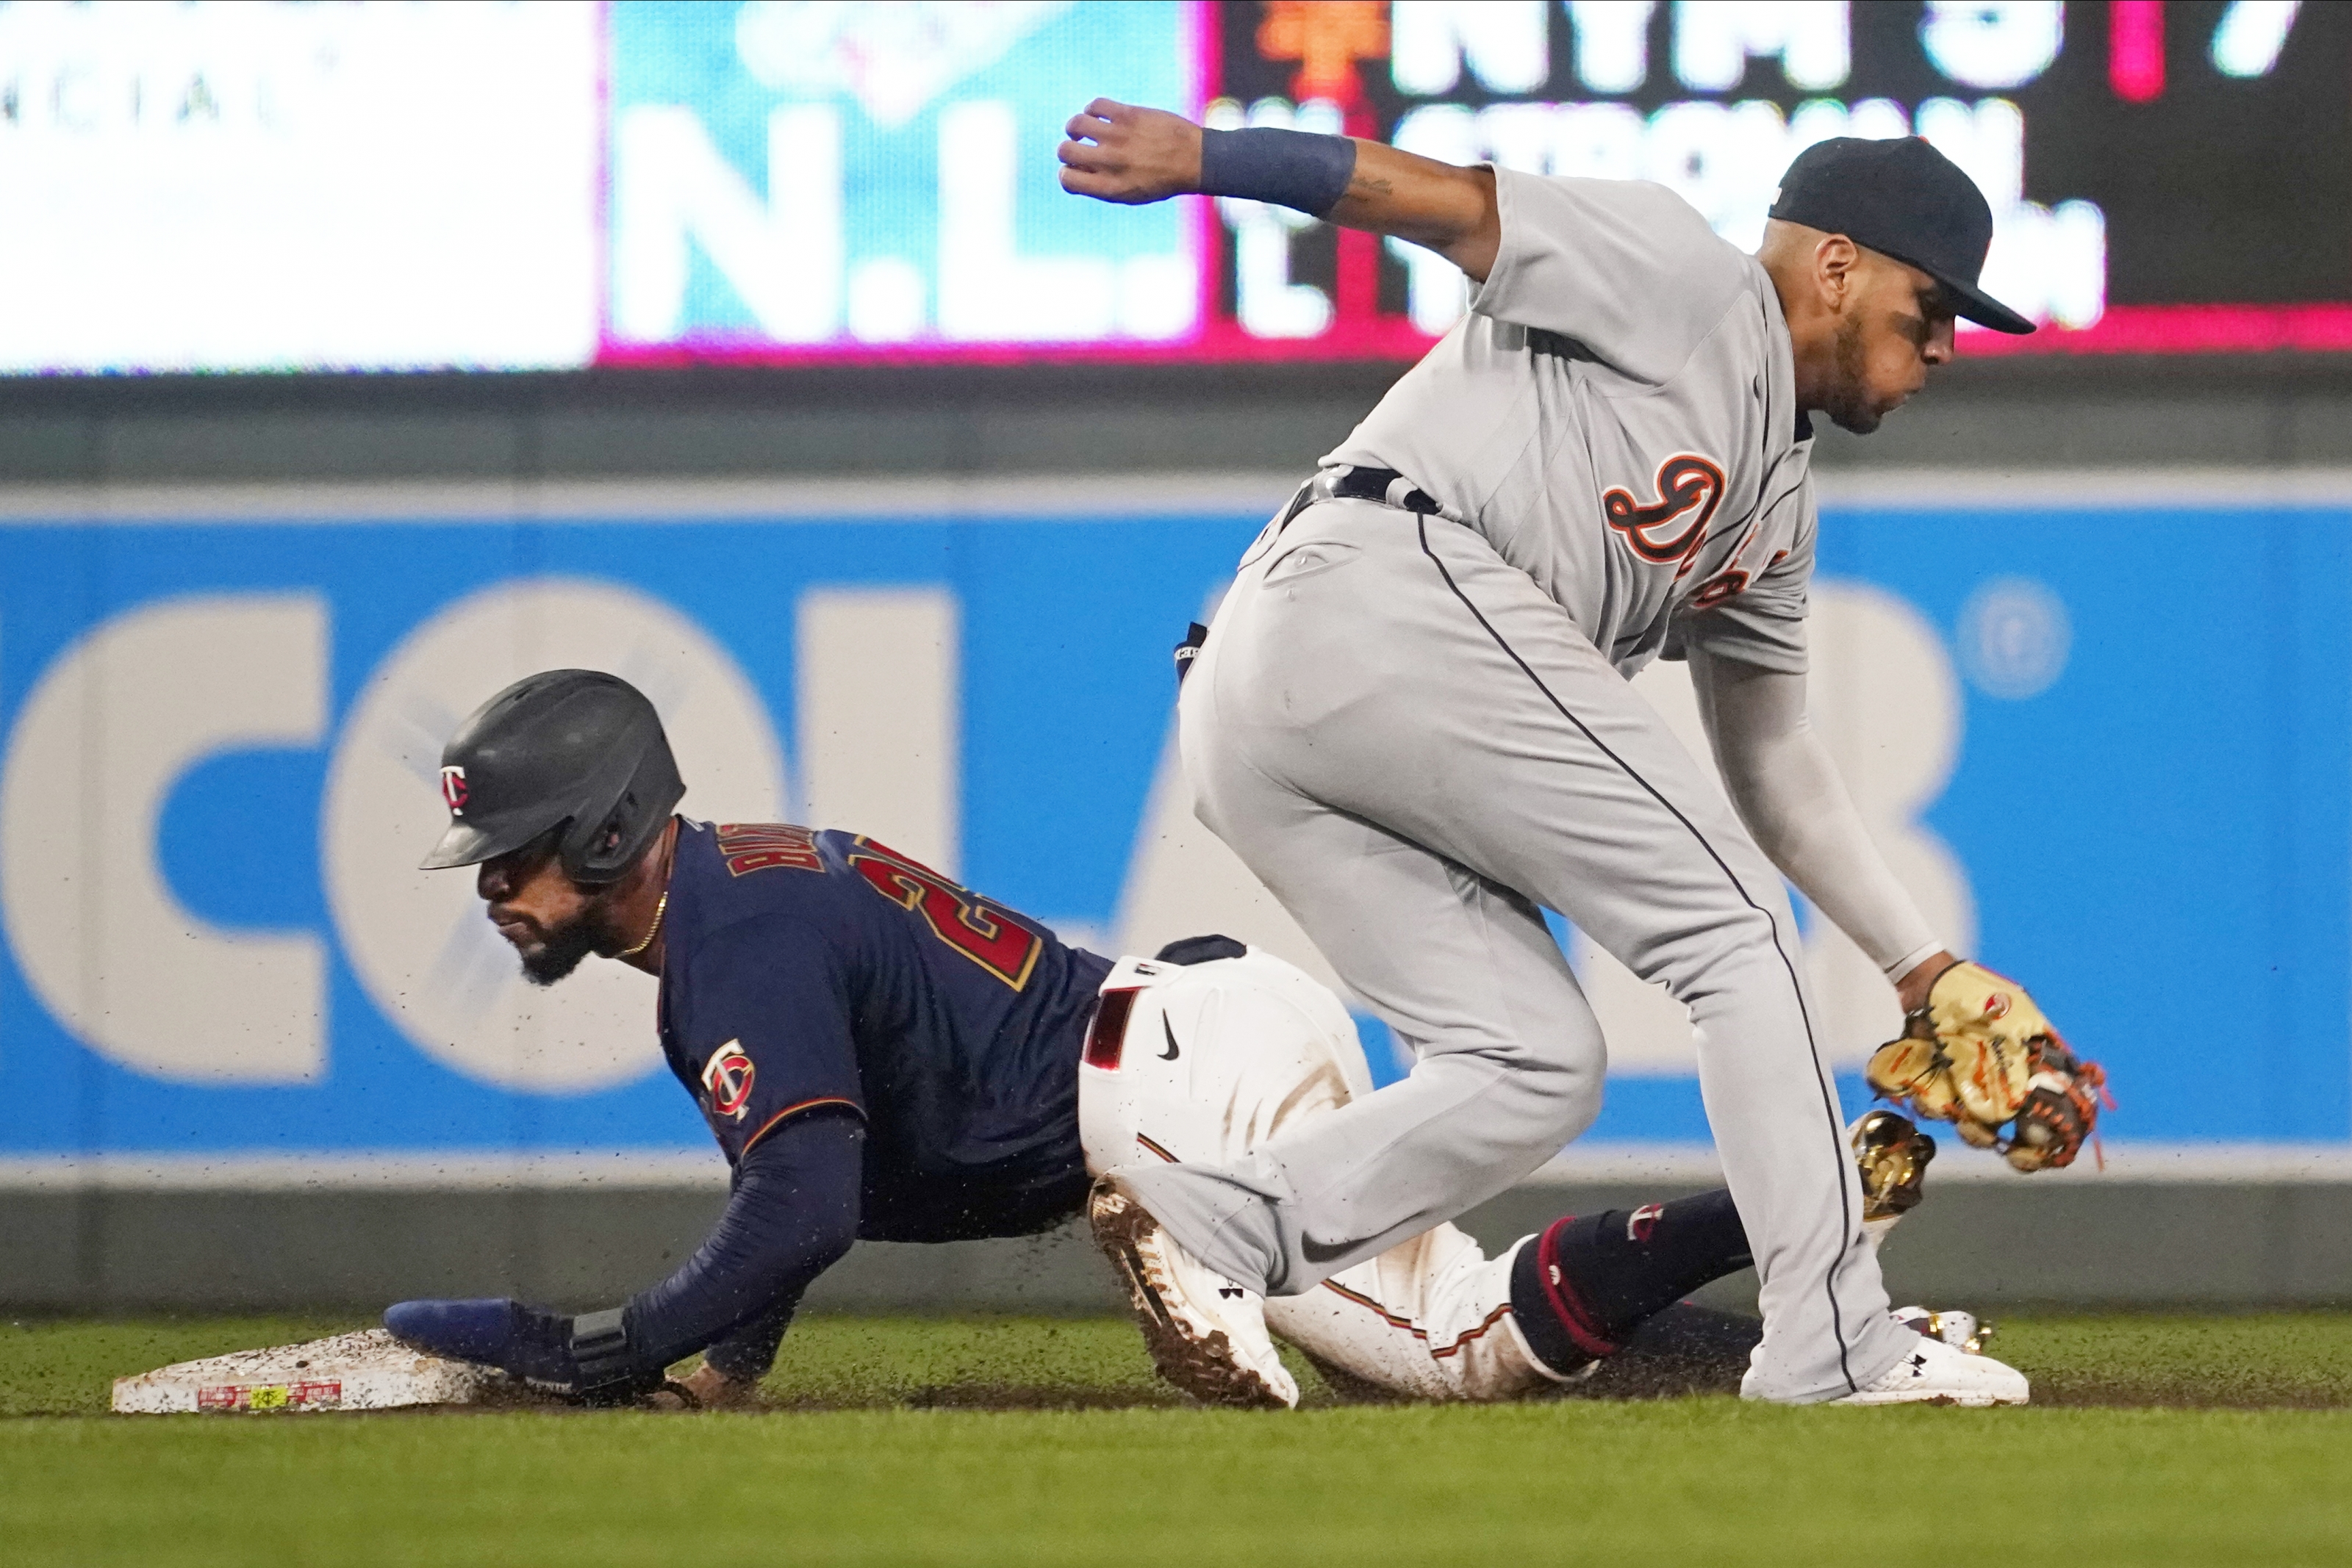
(1477, 241)
(807, 1234)
(1457, 216)
(796, 1203)
(828, 1245)
(1773, 829)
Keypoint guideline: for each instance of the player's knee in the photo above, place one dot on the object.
(1741, 949)
(1555, 1068)
(1579, 1107)
(1549, 1112)
(1566, 1045)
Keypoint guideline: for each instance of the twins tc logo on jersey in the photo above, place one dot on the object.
(453, 790)
(1669, 530)
(727, 1079)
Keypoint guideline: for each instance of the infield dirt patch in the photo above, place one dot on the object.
(2257, 1361)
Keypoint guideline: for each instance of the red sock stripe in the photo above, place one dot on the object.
(1574, 1316)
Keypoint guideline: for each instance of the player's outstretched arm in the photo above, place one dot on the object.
(1788, 793)
(792, 1215)
(1116, 152)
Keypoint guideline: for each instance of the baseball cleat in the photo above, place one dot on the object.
(1206, 1333)
(1892, 1154)
(1934, 1373)
(1962, 1331)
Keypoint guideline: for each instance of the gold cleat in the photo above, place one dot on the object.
(1892, 1155)
(1962, 1331)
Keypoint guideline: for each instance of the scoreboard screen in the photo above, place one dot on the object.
(2163, 176)
(537, 184)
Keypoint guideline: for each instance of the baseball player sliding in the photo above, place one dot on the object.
(1411, 719)
(883, 1053)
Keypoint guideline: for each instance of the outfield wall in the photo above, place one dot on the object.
(249, 1056)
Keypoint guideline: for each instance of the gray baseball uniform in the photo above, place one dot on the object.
(1416, 728)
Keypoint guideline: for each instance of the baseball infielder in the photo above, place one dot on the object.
(1410, 717)
(880, 1053)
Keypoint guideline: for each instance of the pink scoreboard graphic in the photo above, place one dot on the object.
(2149, 166)
(222, 186)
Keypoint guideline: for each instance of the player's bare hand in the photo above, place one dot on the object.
(714, 1390)
(1911, 990)
(1121, 153)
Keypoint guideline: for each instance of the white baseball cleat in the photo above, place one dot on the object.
(1206, 1333)
(1962, 1331)
(1934, 1372)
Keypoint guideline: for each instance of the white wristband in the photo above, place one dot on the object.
(1913, 959)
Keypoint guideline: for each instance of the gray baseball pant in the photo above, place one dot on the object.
(1413, 747)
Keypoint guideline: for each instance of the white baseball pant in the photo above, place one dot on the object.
(1220, 1057)
(1413, 747)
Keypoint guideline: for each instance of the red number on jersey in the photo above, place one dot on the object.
(1002, 947)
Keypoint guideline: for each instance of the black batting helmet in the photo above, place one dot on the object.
(574, 749)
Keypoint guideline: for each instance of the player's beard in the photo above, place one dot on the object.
(562, 948)
(1850, 407)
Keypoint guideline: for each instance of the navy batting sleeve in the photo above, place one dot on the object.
(750, 1353)
(793, 1216)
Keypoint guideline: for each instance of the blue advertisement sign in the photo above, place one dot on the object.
(2108, 748)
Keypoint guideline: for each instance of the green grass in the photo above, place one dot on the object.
(872, 1459)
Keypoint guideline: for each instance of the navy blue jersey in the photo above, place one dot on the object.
(810, 973)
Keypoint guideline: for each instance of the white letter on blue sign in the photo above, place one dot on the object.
(113, 724)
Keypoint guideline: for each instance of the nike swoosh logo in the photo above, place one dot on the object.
(1319, 1254)
(1170, 1054)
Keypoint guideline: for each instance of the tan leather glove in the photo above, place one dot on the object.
(1981, 1055)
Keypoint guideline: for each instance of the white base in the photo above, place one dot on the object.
(369, 1370)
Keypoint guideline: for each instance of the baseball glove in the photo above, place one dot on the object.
(1980, 1056)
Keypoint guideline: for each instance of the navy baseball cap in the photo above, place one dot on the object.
(1901, 198)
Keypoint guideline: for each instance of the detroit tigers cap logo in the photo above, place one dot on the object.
(453, 788)
(728, 1078)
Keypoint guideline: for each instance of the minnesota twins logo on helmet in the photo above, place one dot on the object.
(453, 788)
(727, 1077)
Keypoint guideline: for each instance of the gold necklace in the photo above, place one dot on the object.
(660, 908)
(651, 931)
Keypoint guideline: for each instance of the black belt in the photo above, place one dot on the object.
(1385, 486)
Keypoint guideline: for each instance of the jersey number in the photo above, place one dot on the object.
(963, 920)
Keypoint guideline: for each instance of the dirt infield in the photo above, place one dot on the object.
(1036, 1443)
(2263, 1361)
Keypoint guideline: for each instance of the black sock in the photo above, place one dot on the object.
(1578, 1289)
